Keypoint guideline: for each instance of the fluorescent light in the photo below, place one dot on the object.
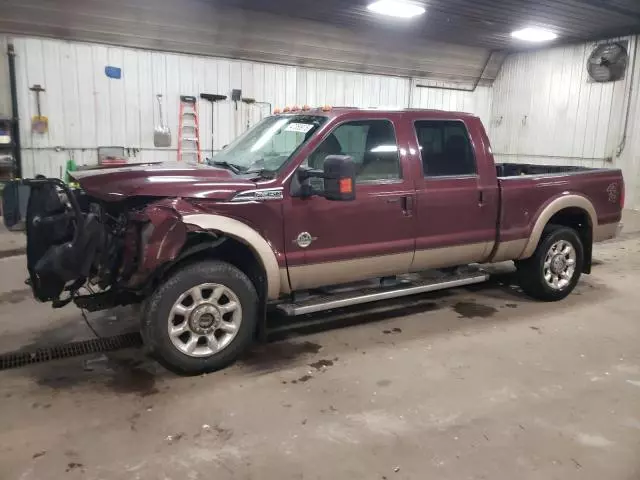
(396, 8)
(531, 34)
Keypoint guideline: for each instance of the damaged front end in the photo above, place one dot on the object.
(98, 254)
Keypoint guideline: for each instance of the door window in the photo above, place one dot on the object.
(371, 143)
(445, 148)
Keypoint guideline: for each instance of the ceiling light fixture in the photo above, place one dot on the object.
(531, 34)
(396, 8)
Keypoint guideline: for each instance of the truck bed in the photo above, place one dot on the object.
(525, 190)
(519, 169)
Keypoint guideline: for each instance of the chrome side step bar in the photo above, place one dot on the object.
(358, 297)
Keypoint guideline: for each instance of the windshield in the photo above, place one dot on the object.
(269, 144)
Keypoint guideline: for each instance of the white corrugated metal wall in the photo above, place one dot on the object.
(547, 110)
(5, 89)
(478, 101)
(541, 109)
(86, 109)
(629, 160)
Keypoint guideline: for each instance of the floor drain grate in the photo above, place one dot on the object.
(73, 349)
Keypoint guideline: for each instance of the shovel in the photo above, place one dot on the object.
(39, 123)
(161, 134)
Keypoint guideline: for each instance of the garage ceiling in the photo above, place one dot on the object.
(478, 23)
(459, 43)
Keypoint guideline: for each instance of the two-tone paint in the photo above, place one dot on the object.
(392, 227)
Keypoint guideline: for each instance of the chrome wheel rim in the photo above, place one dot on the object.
(204, 320)
(560, 265)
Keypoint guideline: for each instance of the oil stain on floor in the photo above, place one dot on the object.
(473, 310)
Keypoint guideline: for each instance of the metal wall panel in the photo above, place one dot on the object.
(86, 109)
(5, 88)
(629, 159)
(477, 102)
(547, 110)
(546, 107)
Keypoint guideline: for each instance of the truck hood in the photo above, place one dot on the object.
(161, 180)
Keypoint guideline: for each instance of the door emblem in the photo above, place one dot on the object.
(304, 239)
(612, 190)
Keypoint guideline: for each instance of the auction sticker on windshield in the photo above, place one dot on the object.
(299, 127)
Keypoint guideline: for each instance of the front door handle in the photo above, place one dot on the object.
(407, 205)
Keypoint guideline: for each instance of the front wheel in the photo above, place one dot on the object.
(555, 267)
(201, 318)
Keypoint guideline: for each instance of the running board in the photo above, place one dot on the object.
(368, 295)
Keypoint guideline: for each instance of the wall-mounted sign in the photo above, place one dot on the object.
(113, 72)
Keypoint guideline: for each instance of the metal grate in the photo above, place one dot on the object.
(73, 349)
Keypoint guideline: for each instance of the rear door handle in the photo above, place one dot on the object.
(481, 198)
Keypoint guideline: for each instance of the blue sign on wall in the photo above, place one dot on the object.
(113, 72)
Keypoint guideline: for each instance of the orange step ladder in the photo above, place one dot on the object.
(189, 130)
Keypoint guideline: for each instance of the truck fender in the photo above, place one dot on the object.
(555, 206)
(247, 235)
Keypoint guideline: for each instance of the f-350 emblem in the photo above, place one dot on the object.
(304, 239)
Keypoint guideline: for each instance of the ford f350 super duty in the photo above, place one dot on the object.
(300, 203)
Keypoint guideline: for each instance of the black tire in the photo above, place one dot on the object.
(155, 317)
(531, 271)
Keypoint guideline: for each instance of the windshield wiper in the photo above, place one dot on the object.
(263, 173)
(223, 163)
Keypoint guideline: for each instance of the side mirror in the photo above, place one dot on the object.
(339, 175)
(339, 178)
(15, 197)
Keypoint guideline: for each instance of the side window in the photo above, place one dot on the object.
(445, 148)
(371, 143)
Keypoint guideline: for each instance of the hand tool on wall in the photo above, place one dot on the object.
(213, 98)
(236, 96)
(189, 130)
(162, 133)
(39, 123)
(248, 102)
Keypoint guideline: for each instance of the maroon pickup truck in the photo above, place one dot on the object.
(308, 211)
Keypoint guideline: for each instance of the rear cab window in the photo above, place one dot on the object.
(445, 148)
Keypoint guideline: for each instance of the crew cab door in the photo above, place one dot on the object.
(329, 242)
(457, 194)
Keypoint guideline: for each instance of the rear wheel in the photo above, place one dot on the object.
(201, 319)
(555, 267)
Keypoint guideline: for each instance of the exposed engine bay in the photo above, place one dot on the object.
(95, 253)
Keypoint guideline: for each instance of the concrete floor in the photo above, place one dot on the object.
(478, 383)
